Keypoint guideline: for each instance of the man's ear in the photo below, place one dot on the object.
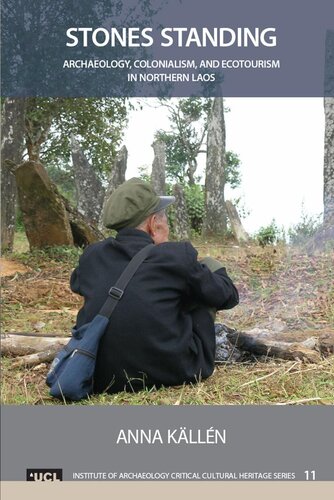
(151, 225)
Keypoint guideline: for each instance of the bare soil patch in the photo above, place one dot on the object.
(10, 267)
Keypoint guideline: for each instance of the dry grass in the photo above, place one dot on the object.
(274, 283)
(261, 382)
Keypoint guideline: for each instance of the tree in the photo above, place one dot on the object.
(215, 211)
(185, 141)
(325, 232)
(35, 31)
(98, 122)
(44, 126)
(232, 169)
(99, 125)
(12, 132)
(329, 162)
(188, 118)
(189, 122)
(329, 131)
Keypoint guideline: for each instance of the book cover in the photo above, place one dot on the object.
(232, 102)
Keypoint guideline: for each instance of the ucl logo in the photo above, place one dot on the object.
(44, 474)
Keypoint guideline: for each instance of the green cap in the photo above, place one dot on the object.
(131, 203)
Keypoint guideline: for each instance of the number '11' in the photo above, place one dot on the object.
(310, 475)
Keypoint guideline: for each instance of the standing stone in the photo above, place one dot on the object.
(84, 232)
(12, 145)
(44, 213)
(329, 131)
(181, 221)
(329, 162)
(117, 176)
(237, 228)
(159, 167)
(89, 189)
(215, 212)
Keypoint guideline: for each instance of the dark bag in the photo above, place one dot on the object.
(71, 375)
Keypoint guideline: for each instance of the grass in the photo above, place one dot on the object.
(21, 244)
(260, 382)
(274, 283)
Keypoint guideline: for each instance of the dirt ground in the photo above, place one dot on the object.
(36, 296)
(276, 286)
(10, 267)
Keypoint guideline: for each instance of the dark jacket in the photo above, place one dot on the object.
(155, 337)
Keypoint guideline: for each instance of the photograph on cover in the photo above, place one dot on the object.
(167, 224)
(240, 314)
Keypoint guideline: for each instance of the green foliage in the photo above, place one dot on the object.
(185, 141)
(301, 232)
(143, 173)
(194, 196)
(242, 210)
(63, 178)
(232, 170)
(188, 125)
(60, 254)
(270, 235)
(97, 123)
(194, 108)
(176, 156)
(38, 23)
(64, 253)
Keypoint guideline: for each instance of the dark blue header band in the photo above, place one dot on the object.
(80, 48)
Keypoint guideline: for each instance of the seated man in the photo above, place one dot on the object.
(162, 330)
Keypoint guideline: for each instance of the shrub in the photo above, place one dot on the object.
(301, 232)
(270, 235)
(194, 196)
